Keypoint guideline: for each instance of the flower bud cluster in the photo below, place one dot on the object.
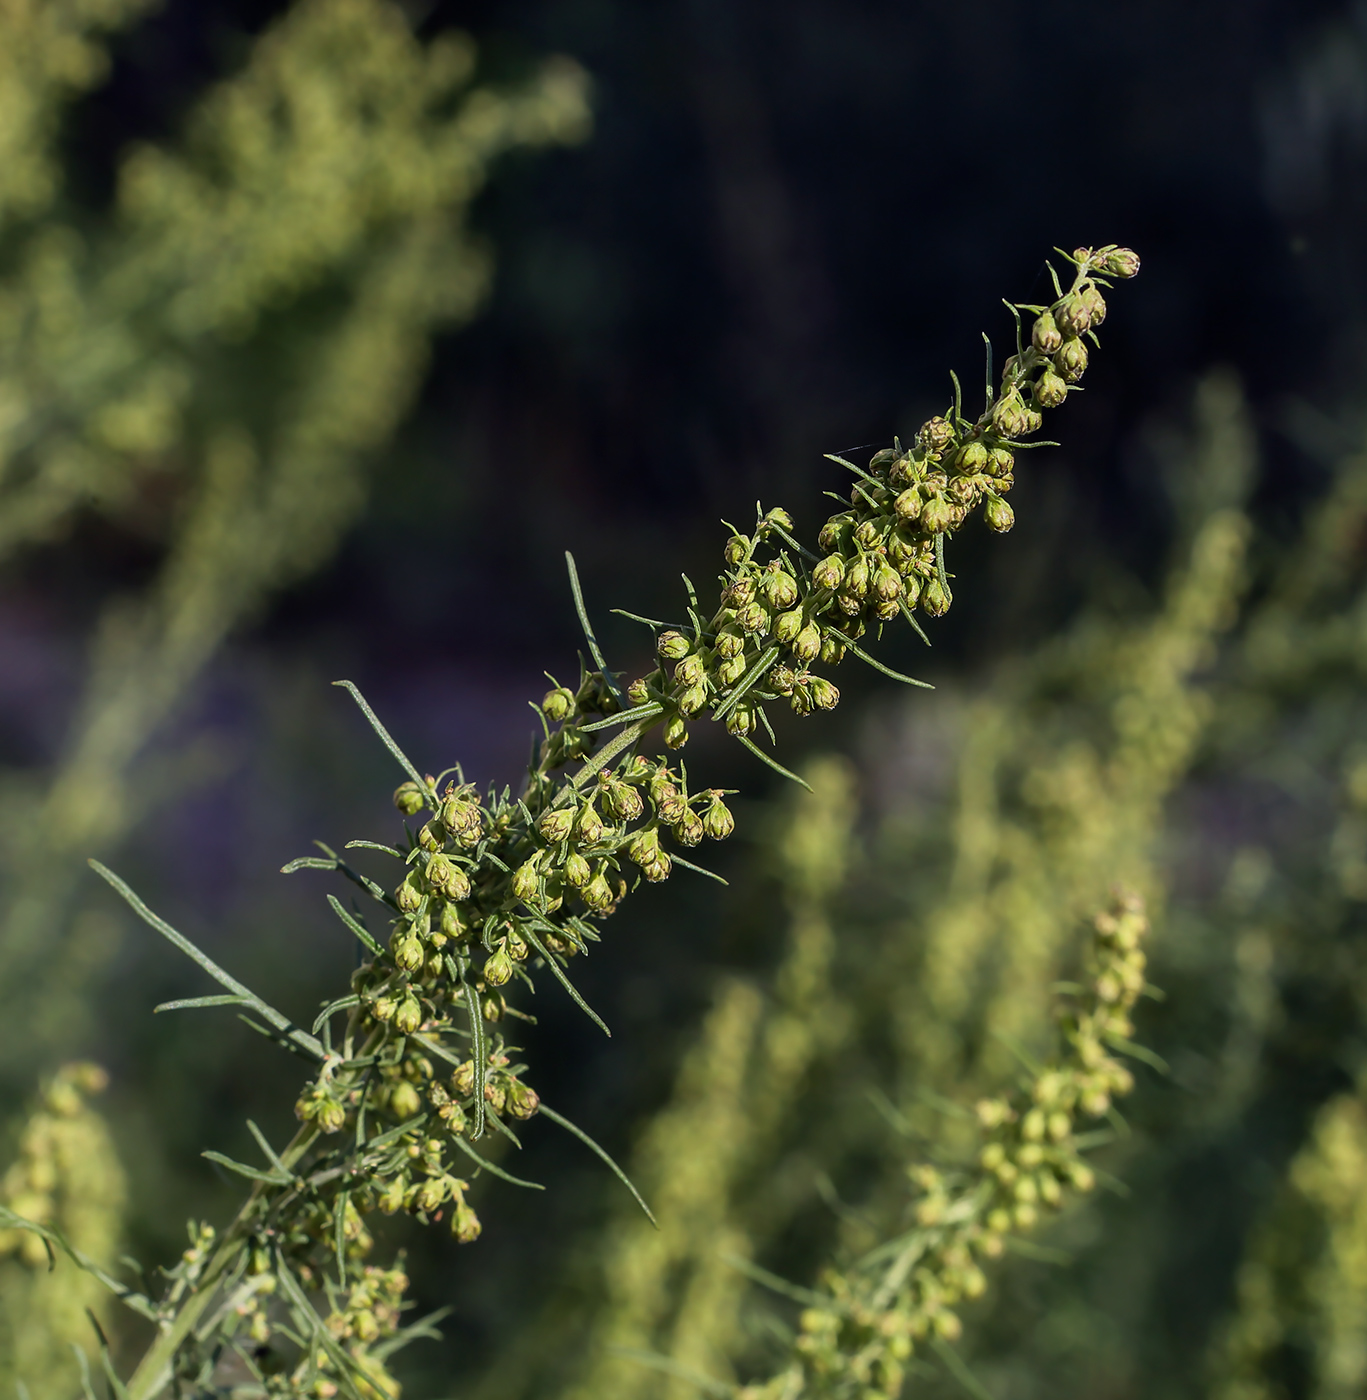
(860, 1339)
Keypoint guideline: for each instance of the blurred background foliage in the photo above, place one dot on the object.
(254, 436)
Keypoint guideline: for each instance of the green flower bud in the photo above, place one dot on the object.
(430, 1194)
(453, 1115)
(408, 951)
(558, 704)
(463, 1079)
(523, 1100)
(638, 692)
(621, 801)
(408, 1017)
(447, 878)
(935, 435)
(787, 625)
(824, 695)
(688, 831)
(498, 967)
(404, 1099)
(597, 893)
(908, 505)
(409, 894)
(1000, 460)
(937, 516)
(1071, 361)
(780, 679)
(971, 458)
(717, 821)
(432, 837)
(644, 845)
(1073, 315)
(867, 533)
(1010, 415)
(779, 587)
(410, 799)
(391, 1198)
(555, 824)
(887, 584)
(807, 644)
(753, 617)
(526, 883)
(737, 549)
(999, 516)
(1095, 304)
(658, 869)
(673, 645)
(465, 1224)
(729, 672)
(730, 642)
(857, 577)
(829, 573)
(743, 720)
(675, 732)
(934, 599)
(690, 670)
(832, 651)
(450, 924)
(1120, 262)
(884, 457)
(693, 699)
(668, 800)
(779, 516)
(1045, 335)
(492, 1006)
(1050, 390)
(831, 531)
(577, 870)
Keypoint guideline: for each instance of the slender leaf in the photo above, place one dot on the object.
(958, 1368)
(772, 762)
(386, 737)
(638, 712)
(274, 1178)
(559, 973)
(775, 1283)
(492, 1168)
(373, 846)
(701, 870)
(594, 649)
(480, 1056)
(747, 682)
(670, 1367)
(192, 1003)
(593, 1147)
(878, 665)
(11, 1221)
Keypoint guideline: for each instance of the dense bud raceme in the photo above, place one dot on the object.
(498, 888)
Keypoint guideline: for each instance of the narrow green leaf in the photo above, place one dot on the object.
(269, 1152)
(558, 973)
(193, 1003)
(677, 859)
(480, 1055)
(492, 1168)
(878, 665)
(275, 1178)
(958, 1368)
(1138, 1052)
(761, 664)
(775, 1283)
(87, 1387)
(771, 762)
(9, 1220)
(670, 1367)
(308, 863)
(639, 712)
(386, 738)
(332, 1008)
(354, 925)
(373, 846)
(595, 650)
(593, 1147)
(281, 1022)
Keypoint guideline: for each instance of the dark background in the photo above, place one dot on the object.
(790, 222)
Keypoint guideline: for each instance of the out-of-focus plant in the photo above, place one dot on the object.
(238, 336)
(417, 1068)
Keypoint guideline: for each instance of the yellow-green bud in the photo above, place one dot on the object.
(1095, 304)
(868, 533)
(688, 830)
(452, 925)
(807, 644)
(577, 870)
(672, 645)
(887, 583)
(644, 845)
(693, 699)
(884, 457)
(824, 695)
(999, 515)
(463, 1079)
(391, 1198)
(404, 1099)
(829, 573)
(935, 435)
(908, 505)
(857, 577)
(717, 821)
(1045, 335)
(556, 824)
(787, 625)
(753, 617)
(409, 894)
(833, 651)
(621, 800)
(934, 599)
(1120, 262)
(730, 642)
(658, 869)
(447, 878)
(410, 799)
(743, 720)
(597, 894)
(430, 1194)
(971, 458)
(408, 951)
(690, 670)
(675, 732)
(729, 672)
(937, 515)
(498, 967)
(778, 516)
(779, 586)
(432, 837)
(409, 1016)
(558, 704)
(737, 549)
(465, 1224)
(1073, 315)
(492, 1006)
(638, 692)
(523, 1100)
(1000, 460)
(829, 535)
(525, 882)
(1010, 416)
(1050, 390)
(1071, 361)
